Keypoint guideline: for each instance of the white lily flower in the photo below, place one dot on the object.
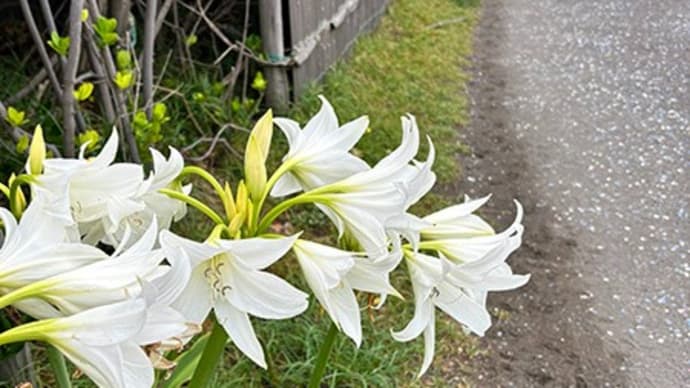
(98, 342)
(458, 285)
(364, 203)
(417, 181)
(228, 276)
(325, 270)
(102, 282)
(156, 205)
(319, 153)
(93, 194)
(458, 221)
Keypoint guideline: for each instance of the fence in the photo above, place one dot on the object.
(319, 32)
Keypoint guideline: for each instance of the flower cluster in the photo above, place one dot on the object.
(92, 260)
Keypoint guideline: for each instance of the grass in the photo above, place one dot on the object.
(403, 66)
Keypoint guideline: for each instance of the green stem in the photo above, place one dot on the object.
(57, 362)
(15, 296)
(205, 175)
(27, 332)
(193, 202)
(282, 207)
(322, 358)
(282, 169)
(209, 359)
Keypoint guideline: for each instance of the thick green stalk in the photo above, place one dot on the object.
(57, 363)
(209, 359)
(195, 203)
(322, 358)
(285, 205)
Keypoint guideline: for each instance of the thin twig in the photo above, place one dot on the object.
(40, 46)
(162, 13)
(237, 69)
(69, 73)
(147, 63)
(444, 23)
(33, 83)
(103, 90)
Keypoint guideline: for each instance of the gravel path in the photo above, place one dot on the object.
(581, 110)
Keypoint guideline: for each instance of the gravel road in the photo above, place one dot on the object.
(581, 110)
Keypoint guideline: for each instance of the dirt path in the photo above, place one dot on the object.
(581, 110)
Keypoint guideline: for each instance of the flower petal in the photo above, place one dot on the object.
(238, 326)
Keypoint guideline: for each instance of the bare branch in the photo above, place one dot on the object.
(69, 73)
(147, 62)
(40, 46)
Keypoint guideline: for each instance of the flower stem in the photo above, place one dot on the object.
(205, 175)
(194, 202)
(57, 362)
(210, 357)
(322, 358)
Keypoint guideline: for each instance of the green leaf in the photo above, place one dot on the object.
(186, 363)
(58, 43)
(84, 15)
(22, 144)
(259, 83)
(159, 113)
(90, 137)
(140, 122)
(123, 79)
(105, 29)
(123, 59)
(16, 117)
(83, 92)
(191, 40)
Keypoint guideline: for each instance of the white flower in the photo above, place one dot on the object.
(93, 194)
(458, 284)
(364, 203)
(163, 208)
(333, 274)
(37, 249)
(98, 341)
(102, 282)
(228, 276)
(325, 269)
(319, 154)
(458, 221)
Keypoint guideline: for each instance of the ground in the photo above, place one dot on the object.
(580, 111)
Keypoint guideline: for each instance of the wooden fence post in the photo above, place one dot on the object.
(278, 88)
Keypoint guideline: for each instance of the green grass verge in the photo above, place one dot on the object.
(413, 62)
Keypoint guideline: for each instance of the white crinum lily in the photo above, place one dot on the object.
(102, 282)
(93, 194)
(458, 221)
(332, 274)
(459, 285)
(228, 276)
(163, 208)
(417, 181)
(325, 270)
(319, 153)
(36, 249)
(364, 203)
(98, 341)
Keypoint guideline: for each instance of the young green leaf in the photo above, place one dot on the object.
(16, 117)
(90, 138)
(123, 79)
(123, 59)
(22, 144)
(105, 29)
(259, 83)
(83, 92)
(58, 43)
